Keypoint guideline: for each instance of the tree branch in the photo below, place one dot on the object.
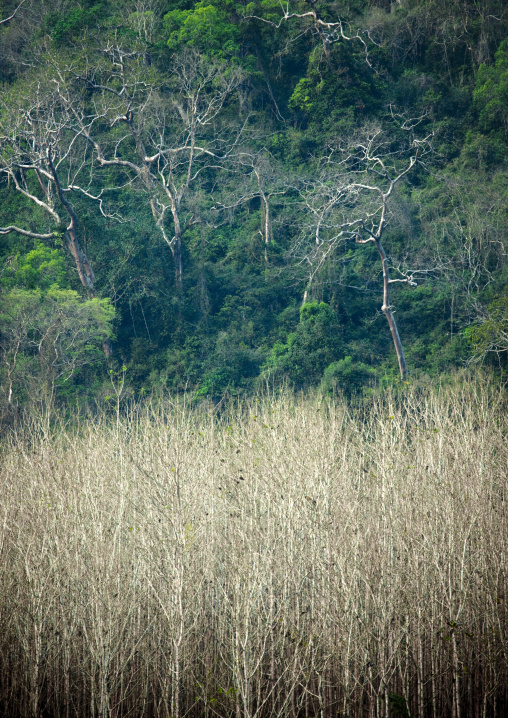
(26, 232)
(13, 14)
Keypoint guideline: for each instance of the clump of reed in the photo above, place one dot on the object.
(291, 557)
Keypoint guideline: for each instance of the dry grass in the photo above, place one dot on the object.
(293, 558)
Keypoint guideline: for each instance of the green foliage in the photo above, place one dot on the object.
(231, 375)
(398, 706)
(39, 269)
(490, 333)
(337, 93)
(48, 334)
(483, 152)
(347, 376)
(206, 27)
(66, 26)
(491, 94)
(315, 343)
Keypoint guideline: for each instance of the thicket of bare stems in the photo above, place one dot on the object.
(295, 558)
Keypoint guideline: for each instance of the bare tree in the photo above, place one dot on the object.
(327, 31)
(349, 200)
(42, 158)
(268, 184)
(48, 337)
(255, 174)
(489, 333)
(470, 245)
(283, 560)
(164, 133)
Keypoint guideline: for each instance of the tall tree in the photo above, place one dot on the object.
(348, 199)
(164, 132)
(42, 158)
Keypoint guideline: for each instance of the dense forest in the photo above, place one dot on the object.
(220, 195)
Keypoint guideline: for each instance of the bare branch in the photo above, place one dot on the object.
(26, 232)
(328, 32)
(11, 17)
(350, 200)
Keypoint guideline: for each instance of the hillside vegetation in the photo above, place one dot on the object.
(289, 557)
(208, 194)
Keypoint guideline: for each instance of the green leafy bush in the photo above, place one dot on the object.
(347, 376)
(315, 343)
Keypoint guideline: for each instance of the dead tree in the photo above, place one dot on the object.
(44, 160)
(41, 158)
(348, 199)
(255, 175)
(163, 132)
(307, 14)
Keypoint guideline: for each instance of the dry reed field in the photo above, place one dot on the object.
(292, 557)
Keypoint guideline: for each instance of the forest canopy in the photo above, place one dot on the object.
(217, 194)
